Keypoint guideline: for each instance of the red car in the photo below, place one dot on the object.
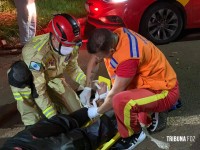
(160, 21)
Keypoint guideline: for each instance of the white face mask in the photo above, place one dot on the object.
(66, 50)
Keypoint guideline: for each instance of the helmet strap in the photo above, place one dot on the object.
(59, 49)
(52, 45)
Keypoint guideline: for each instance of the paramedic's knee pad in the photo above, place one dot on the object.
(19, 75)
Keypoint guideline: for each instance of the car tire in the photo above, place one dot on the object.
(161, 23)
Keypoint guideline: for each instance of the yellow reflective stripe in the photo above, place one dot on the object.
(16, 93)
(49, 112)
(141, 101)
(26, 97)
(18, 98)
(39, 45)
(80, 77)
(47, 109)
(183, 2)
(22, 95)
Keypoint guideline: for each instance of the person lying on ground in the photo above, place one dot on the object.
(62, 132)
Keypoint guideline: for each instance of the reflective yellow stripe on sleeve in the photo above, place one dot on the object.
(17, 96)
(20, 96)
(79, 77)
(49, 112)
(40, 41)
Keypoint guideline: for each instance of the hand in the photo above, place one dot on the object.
(92, 112)
(85, 96)
(101, 93)
(103, 88)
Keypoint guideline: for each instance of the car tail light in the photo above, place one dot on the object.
(114, 1)
(96, 9)
(93, 8)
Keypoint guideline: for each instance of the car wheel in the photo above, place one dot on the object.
(161, 23)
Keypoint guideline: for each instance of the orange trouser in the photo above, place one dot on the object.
(133, 106)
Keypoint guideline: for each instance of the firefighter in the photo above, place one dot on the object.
(37, 81)
(143, 81)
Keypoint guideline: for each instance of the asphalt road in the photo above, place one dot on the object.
(183, 55)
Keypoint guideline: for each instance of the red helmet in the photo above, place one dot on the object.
(65, 28)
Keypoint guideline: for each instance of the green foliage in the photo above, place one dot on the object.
(6, 5)
(45, 11)
(47, 8)
(9, 32)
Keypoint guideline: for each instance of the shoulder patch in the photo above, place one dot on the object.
(35, 66)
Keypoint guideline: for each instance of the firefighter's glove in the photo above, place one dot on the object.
(85, 96)
(92, 112)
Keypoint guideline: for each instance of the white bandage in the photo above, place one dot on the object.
(99, 97)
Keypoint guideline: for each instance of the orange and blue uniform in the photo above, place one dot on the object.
(154, 87)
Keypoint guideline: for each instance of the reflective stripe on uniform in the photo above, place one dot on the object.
(20, 96)
(133, 44)
(141, 101)
(39, 42)
(79, 77)
(39, 45)
(49, 112)
(113, 63)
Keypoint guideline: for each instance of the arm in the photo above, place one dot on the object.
(93, 66)
(43, 100)
(119, 86)
(92, 69)
(125, 73)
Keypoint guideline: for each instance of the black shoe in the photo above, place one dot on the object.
(130, 142)
(159, 122)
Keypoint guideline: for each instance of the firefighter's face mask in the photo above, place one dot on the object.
(64, 50)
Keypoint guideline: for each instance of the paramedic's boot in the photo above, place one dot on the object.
(130, 142)
(159, 121)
